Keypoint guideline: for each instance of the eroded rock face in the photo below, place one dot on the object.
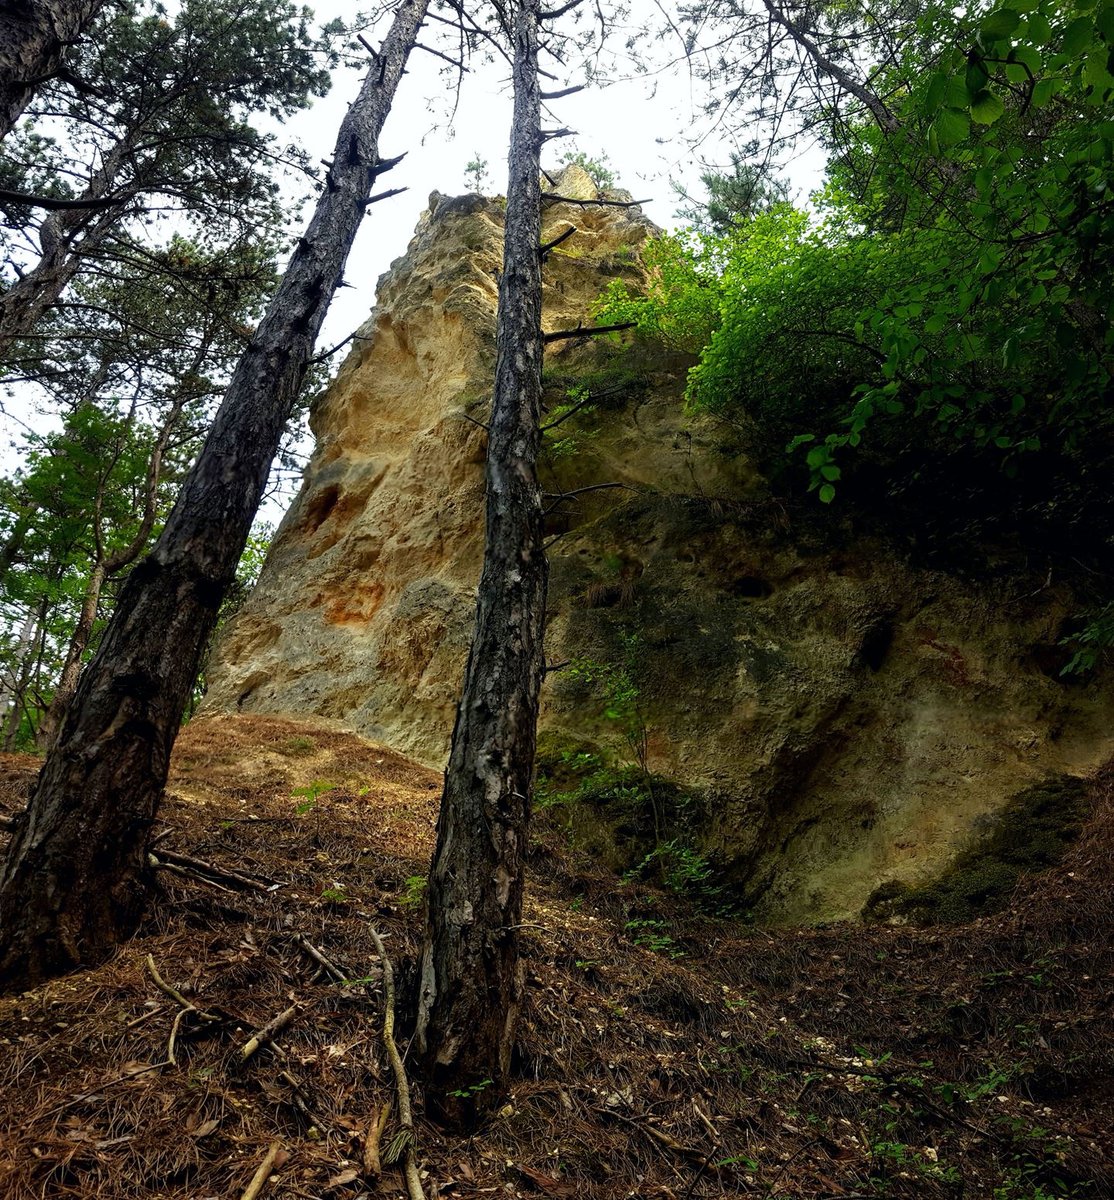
(841, 718)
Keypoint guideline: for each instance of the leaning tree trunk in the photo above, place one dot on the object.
(471, 986)
(34, 37)
(76, 881)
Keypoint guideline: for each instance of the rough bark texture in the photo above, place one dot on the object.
(75, 881)
(34, 35)
(471, 985)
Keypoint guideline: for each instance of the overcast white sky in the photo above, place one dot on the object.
(643, 125)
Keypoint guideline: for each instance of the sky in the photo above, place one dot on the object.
(644, 125)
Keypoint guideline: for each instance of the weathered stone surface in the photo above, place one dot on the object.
(844, 719)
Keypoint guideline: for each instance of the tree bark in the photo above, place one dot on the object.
(471, 985)
(71, 668)
(76, 882)
(34, 36)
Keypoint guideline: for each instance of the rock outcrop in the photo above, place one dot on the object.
(836, 717)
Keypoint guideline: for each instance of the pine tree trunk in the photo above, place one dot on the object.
(34, 36)
(471, 985)
(75, 882)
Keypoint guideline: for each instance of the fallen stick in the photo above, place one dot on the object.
(262, 1036)
(174, 869)
(179, 1017)
(373, 1165)
(303, 943)
(259, 1179)
(402, 1086)
(689, 1153)
(176, 995)
(221, 874)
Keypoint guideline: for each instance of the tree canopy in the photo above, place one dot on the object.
(949, 292)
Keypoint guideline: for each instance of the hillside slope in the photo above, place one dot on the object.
(665, 1052)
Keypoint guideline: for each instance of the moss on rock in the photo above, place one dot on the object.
(1030, 834)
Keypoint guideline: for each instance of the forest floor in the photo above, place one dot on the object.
(664, 1052)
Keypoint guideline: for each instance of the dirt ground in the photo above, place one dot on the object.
(664, 1053)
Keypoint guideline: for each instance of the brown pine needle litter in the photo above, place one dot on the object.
(968, 1061)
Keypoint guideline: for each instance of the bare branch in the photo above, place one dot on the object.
(553, 13)
(585, 331)
(383, 196)
(606, 203)
(458, 66)
(544, 250)
(569, 91)
(57, 202)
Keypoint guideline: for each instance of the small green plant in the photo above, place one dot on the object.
(466, 1093)
(566, 443)
(475, 173)
(334, 895)
(599, 168)
(298, 747)
(1091, 643)
(653, 935)
(682, 869)
(413, 891)
(310, 794)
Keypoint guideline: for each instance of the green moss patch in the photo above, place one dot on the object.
(629, 820)
(1031, 834)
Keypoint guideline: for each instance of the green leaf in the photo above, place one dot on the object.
(827, 494)
(830, 471)
(1039, 30)
(1000, 23)
(1027, 56)
(987, 107)
(976, 75)
(951, 126)
(1095, 74)
(935, 92)
(1078, 35)
(1104, 22)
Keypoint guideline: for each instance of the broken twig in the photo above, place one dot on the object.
(259, 1179)
(402, 1086)
(261, 1037)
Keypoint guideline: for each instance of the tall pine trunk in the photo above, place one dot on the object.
(34, 37)
(75, 881)
(471, 985)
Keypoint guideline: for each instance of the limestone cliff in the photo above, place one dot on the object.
(836, 717)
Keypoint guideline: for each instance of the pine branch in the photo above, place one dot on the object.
(585, 331)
